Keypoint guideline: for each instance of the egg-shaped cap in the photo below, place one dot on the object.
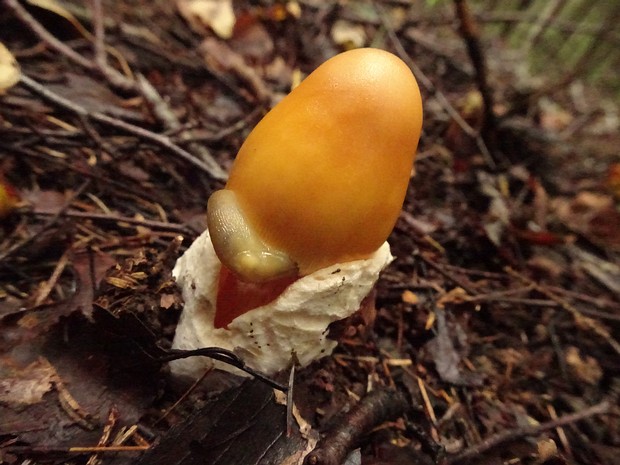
(323, 176)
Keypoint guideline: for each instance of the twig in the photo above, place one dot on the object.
(171, 123)
(222, 355)
(99, 32)
(47, 286)
(48, 38)
(51, 222)
(471, 35)
(209, 166)
(290, 404)
(160, 225)
(184, 396)
(159, 107)
(375, 408)
(516, 433)
(47, 451)
(115, 78)
(113, 417)
(470, 290)
(581, 320)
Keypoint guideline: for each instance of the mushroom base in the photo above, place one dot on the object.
(291, 328)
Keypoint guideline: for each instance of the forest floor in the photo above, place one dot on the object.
(498, 323)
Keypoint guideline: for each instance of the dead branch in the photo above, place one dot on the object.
(493, 441)
(48, 225)
(377, 407)
(160, 109)
(159, 225)
(222, 355)
(581, 320)
(115, 78)
(209, 165)
(471, 35)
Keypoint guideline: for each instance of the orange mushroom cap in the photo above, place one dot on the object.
(322, 178)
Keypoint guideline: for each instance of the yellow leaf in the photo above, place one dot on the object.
(409, 297)
(9, 69)
(8, 198)
(54, 7)
(217, 15)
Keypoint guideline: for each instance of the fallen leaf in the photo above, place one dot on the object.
(167, 300)
(409, 297)
(457, 295)
(90, 372)
(217, 15)
(46, 201)
(8, 195)
(252, 40)
(447, 350)
(9, 69)
(547, 449)
(27, 385)
(584, 368)
(592, 214)
(348, 35)
(613, 179)
(243, 425)
(89, 268)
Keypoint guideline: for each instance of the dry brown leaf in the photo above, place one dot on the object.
(167, 300)
(586, 369)
(25, 386)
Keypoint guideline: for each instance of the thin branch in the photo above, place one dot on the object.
(513, 434)
(160, 109)
(209, 165)
(159, 225)
(580, 320)
(51, 222)
(115, 78)
(471, 35)
(99, 32)
(222, 355)
(46, 37)
(375, 408)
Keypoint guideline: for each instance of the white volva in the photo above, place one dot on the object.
(267, 337)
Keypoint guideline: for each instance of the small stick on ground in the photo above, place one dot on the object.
(106, 217)
(100, 65)
(581, 320)
(377, 407)
(208, 165)
(513, 434)
(471, 35)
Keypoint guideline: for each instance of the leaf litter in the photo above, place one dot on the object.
(500, 312)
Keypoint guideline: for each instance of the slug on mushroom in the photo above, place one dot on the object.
(316, 187)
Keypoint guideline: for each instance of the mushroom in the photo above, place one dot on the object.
(296, 239)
